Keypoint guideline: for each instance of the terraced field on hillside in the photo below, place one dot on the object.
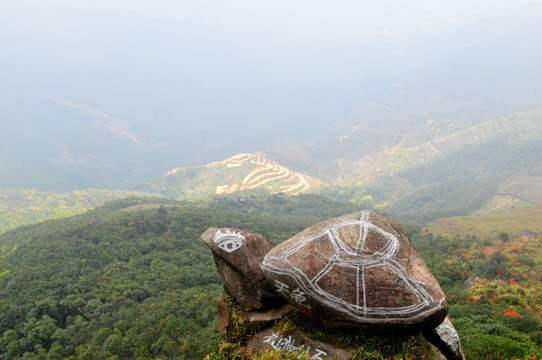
(266, 173)
(237, 173)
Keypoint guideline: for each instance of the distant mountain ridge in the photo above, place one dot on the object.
(489, 166)
(120, 129)
(431, 147)
(236, 173)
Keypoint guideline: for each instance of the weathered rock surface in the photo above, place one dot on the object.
(251, 318)
(415, 346)
(356, 270)
(296, 342)
(473, 280)
(238, 255)
(446, 339)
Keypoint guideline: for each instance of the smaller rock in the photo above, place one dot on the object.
(238, 255)
(414, 346)
(250, 318)
(296, 342)
(445, 338)
(473, 280)
(223, 316)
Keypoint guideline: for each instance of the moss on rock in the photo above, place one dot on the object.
(358, 344)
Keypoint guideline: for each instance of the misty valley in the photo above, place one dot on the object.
(232, 180)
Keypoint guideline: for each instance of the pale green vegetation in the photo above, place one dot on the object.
(128, 284)
(524, 187)
(515, 222)
(26, 206)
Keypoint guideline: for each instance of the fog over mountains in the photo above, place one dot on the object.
(110, 94)
(128, 128)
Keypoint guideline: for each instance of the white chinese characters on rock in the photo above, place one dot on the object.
(278, 342)
(297, 295)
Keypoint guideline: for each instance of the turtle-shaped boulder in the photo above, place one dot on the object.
(356, 270)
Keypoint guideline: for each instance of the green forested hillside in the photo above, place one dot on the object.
(132, 279)
(496, 159)
(26, 206)
(490, 166)
(500, 147)
(129, 279)
(443, 200)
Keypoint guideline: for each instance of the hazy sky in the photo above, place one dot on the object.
(358, 14)
(317, 20)
(214, 71)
